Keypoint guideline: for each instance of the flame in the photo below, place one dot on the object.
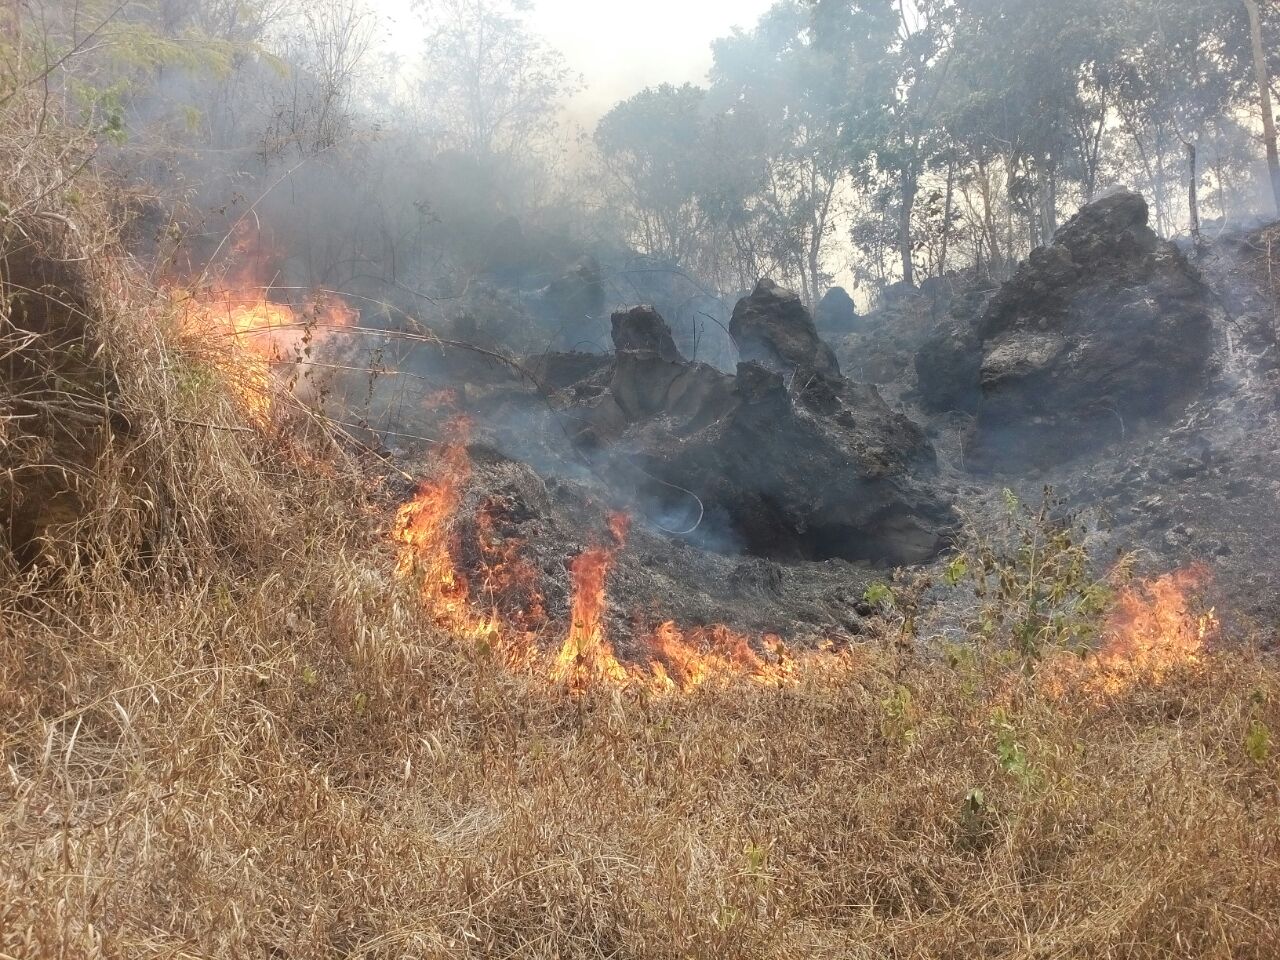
(689, 659)
(508, 576)
(673, 659)
(1155, 631)
(587, 654)
(423, 528)
(257, 335)
(429, 544)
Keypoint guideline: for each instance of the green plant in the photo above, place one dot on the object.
(1033, 578)
(1257, 742)
(880, 595)
(1010, 751)
(899, 722)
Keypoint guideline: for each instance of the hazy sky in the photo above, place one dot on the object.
(619, 46)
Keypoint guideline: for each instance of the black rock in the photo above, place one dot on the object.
(642, 329)
(837, 314)
(1102, 332)
(823, 469)
(772, 328)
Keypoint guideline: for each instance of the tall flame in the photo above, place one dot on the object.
(587, 654)
(423, 527)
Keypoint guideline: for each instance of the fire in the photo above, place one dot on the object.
(673, 659)
(688, 659)
(256, 335)
(423, 528)
(677, 659)
(1155, 632)
(587, 654)
(509, 578)
(425, 531)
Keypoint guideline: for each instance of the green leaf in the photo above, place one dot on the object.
(880, 595)
(1257, 742)
(1010, 752)
(957, 570)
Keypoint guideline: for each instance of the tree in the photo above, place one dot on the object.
(324, 47)
(653, 147)
(1264, 93)
(492, 89)
(898, 56)
(779, 93)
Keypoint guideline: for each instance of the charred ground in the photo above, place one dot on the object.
(1131, 378)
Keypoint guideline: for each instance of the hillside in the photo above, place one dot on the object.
(826, 510)
(237, 725)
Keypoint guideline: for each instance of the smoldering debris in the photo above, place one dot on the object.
(768, 499)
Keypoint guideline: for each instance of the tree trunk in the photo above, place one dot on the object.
(1223, 204)
(1264, 91)
(946, 215)
(1193, 194)
(909, 189)
(1048, 206)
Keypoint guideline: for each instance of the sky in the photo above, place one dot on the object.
(618, 46)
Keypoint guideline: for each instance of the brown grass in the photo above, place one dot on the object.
(228, 732)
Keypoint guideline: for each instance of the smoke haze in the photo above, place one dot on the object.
(617, 48)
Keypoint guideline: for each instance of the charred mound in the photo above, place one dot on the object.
(773, 329)
(815, 468)
(510, 514)
(836, 314)
(1107, 329)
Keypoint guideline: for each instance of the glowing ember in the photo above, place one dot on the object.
(1155, 632)
(509, 580)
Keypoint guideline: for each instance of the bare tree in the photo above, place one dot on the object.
(1264, 92)
(492, 87)
(324, 50)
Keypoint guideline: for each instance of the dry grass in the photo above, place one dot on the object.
(228, 732)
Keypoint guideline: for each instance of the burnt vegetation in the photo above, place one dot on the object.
(825, 512)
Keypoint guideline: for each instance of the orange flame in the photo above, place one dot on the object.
(423, 527)
(587, 653)
(257, 335)
(675, 660)
(509, 576)
(429, 549)
(1155, 632)
(689, 659)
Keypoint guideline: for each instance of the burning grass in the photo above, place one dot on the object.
(231, 727)
(678, 660)
(279, 749)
